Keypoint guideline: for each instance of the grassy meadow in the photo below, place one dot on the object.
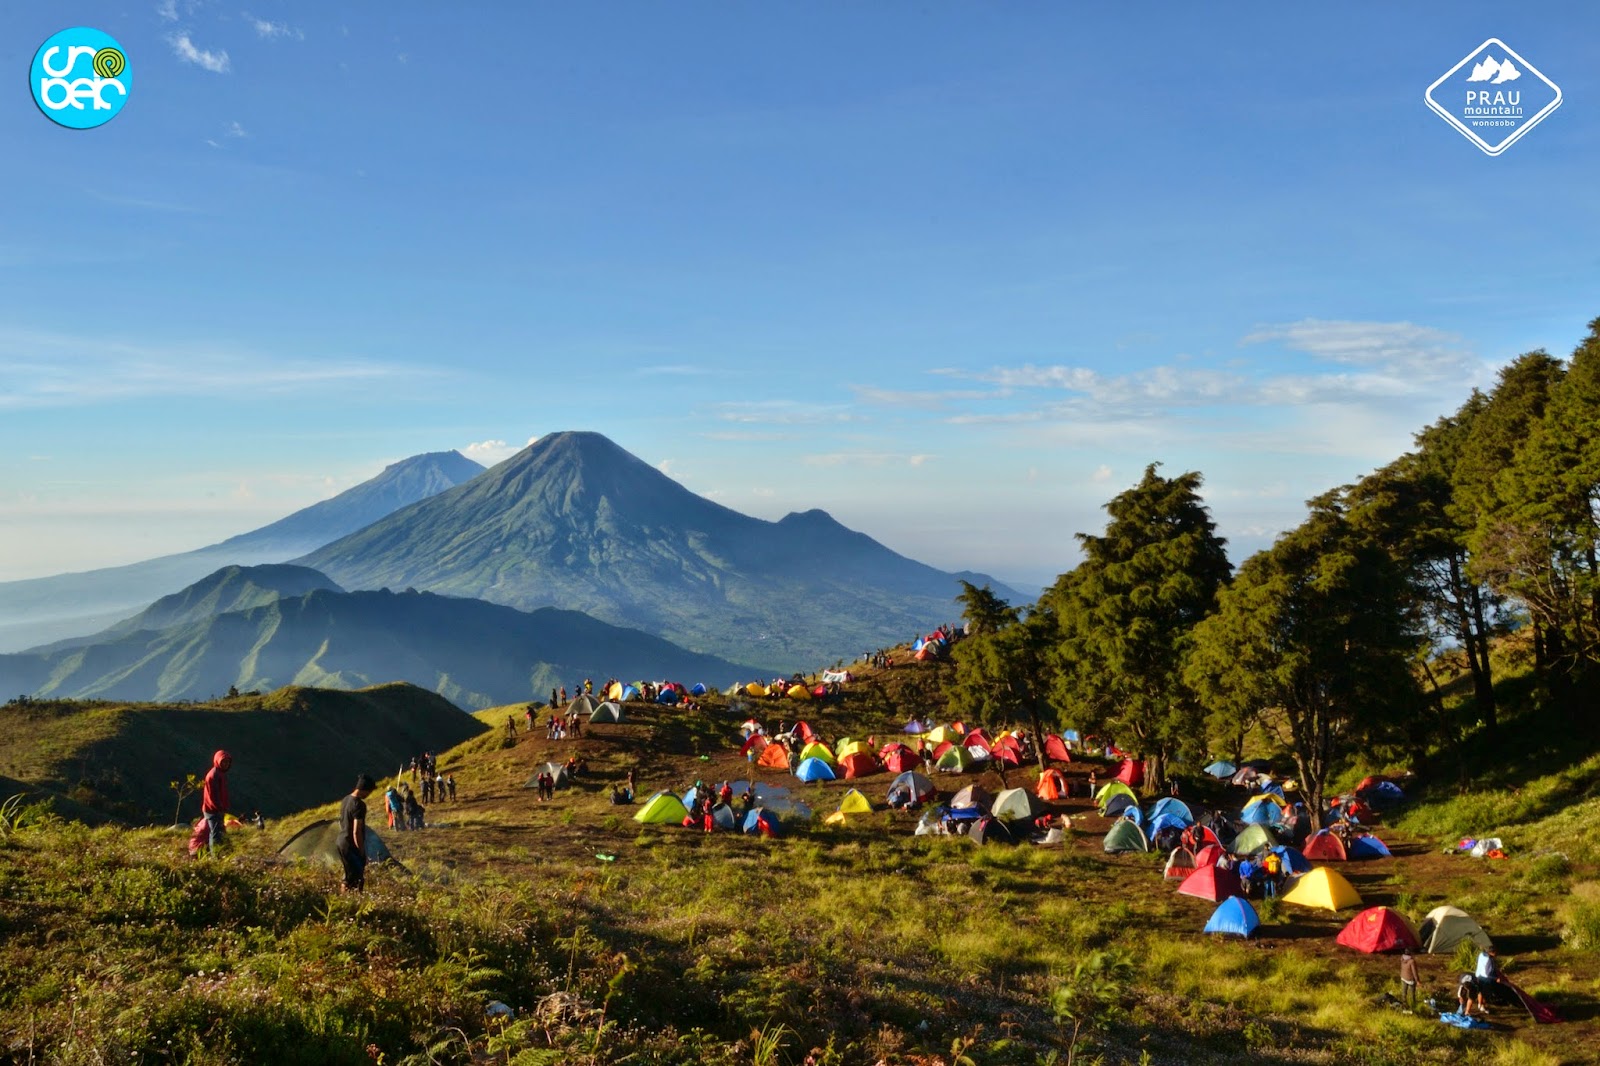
(611, 942)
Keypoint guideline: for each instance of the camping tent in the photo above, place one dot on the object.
(667, 697)
(774, 757)
(1209, 855)
(1445, 927)
(814, 769)
(853, 802)
(754, 689)
(1120, 804)
(1222, 768)
(583, 703)
(1212, 882)
(662, 809)
(818, 750)
(723, 817)
(557, 772)
(1259, 814)
(1324, 846)
(799, 692)
(1378, 929)
(1368, 846)
(1172, 805)
(847, 746)
(699, 689)
(1179, 864)
(989, 830)
(1052, 786)
(1294, 863)
(1016, 803)
(1056, 749)
(955, 760)
(910, 788)
(1114, 788)
(860, 764)
(1131, 772)
(319, 843)
(1323, 888)
(1163, 821)
(1233, 917)
(760, 820)
(607, 712)
(972, 796)
(897, 758)
(1252, 839)
(629, 692)
(1125, 836)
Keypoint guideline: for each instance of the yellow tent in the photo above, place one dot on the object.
(1266, 797)
(818, 750)
(941, 734)
(799, 692)
(850, 747)
(1325, 889)
(614, 691)
(855, 803)
(1114, 788)
(753, 689)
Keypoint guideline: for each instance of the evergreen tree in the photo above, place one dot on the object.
(983, 611)
(1312, 639)
(1003, 673)
(1126, 614)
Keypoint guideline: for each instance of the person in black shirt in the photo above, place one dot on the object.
(353, 834)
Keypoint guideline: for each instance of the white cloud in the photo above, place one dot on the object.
(1403, 349)
(865, 458)
(1102, 474)
(168, 10)
(783, 412)
(924, 399)
(235, 130)
(184, 49)
(490, 452)
(268, 31)
(665, 466)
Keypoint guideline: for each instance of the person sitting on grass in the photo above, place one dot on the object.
(1466, 991)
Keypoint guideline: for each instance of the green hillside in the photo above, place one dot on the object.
(293, 748)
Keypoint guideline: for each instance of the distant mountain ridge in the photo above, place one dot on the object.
(473, 653)
(577, 522)
(37, 611)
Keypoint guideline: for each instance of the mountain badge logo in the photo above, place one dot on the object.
(1493, 96)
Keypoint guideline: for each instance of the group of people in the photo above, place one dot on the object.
(404, 810)
(702, 812)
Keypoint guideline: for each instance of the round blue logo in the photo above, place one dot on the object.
(80, 78)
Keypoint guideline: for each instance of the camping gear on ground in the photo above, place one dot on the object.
(773, 757)
(583, 703)
(1323, 889)
(1260, 814)
(1463, 1021)
(1489, 847)
(1055, 749)
(1378, 929)
(1445, 927)
(1233, 917)
(1540, 1013)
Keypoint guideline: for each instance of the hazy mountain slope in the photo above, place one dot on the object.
(40, 610)
(475, 653)
(575, 521)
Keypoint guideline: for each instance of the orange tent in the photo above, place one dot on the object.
(1052, 786)
(773, 757)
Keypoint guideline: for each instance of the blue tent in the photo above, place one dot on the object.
(918, 645)
(1165, 820)
(1119, 803)
(699, 689)
(690, 796)
(1174, 806)
(1261, 814)
(1368, 847)
(758, 815)
(1234, 916)
(630, 692)
(1133, 814)
(1274, 788)
(1222, 768)
(1072, 735)
(913, 726)
(1294, 863)
(668, 696)
(813, 769)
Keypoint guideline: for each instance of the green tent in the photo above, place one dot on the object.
(1253, 838)
(608, 711)
(319, 843)
(955, 760)
(1114, 788)
(1125, 836)
(662, 809)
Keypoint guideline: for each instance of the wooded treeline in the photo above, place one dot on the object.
(1333, 639)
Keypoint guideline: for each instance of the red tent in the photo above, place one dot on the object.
(1208, 855)
(1210, 881)
(1056, 748)
(977, 738)
(1132, 772)
(943, 747)
(1007, 754)
(756, 741)
(1052, 786)
(1378, 929)
(1198, 836)
(1326, 847)
(898, 758)
(861, 764)
(803, 730)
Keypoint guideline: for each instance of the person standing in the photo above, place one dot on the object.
(214, 799)
(1408, 980)
(450, 784)
(353, 834)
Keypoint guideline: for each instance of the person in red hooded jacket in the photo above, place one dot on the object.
(214, 797)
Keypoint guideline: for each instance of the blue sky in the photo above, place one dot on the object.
(952, 272)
